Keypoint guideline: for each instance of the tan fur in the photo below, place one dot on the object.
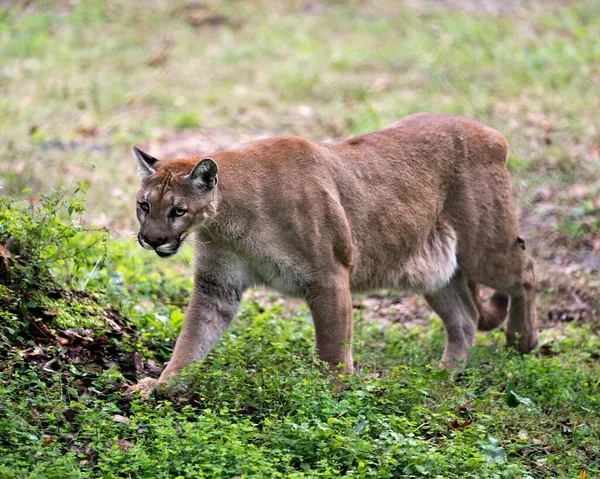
(424, 205)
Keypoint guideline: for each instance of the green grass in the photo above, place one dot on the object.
(80, 82)
(259, 407)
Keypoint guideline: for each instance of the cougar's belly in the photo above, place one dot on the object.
(428, 268)
(280, 276)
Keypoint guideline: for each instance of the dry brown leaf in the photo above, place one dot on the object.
(121, 419)
(124, 445)
(137, 361)
(87, 131)
(158, 59)
(199, 19)
(4, 255)
(546, 350)
(456, 424)
(577, 192)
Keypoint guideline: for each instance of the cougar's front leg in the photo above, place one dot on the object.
(206, 319)
(331, 307)
(218, 287)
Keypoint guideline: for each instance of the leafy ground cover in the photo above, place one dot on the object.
(84, 312)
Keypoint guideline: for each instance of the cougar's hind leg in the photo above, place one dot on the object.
(454, 305)
(521, 329)
(330, 303)
(493, 313)
(512, 272)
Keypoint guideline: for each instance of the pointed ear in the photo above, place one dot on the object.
(205, 173)
(146, 163)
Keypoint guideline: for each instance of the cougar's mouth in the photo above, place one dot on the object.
(166, 250)
(165, 255)
(171, 248)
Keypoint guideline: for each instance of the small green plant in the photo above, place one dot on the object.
(46, 237)
(47, 257)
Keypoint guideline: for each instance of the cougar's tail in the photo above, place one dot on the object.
(492, 313)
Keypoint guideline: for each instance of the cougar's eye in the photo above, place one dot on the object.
(144, 205)
(179, 211)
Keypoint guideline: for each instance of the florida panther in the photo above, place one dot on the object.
(424, 205)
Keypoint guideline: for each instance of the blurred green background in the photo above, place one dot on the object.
(80, 82)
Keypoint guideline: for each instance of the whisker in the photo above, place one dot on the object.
(207, 230)
(187, 263)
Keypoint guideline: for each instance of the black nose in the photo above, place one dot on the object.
(154, 242)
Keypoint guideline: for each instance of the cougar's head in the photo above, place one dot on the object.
(175, 196)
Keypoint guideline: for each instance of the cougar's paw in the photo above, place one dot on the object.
(524, 343)
(453, 365)
(144, 387)
(455, 357)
